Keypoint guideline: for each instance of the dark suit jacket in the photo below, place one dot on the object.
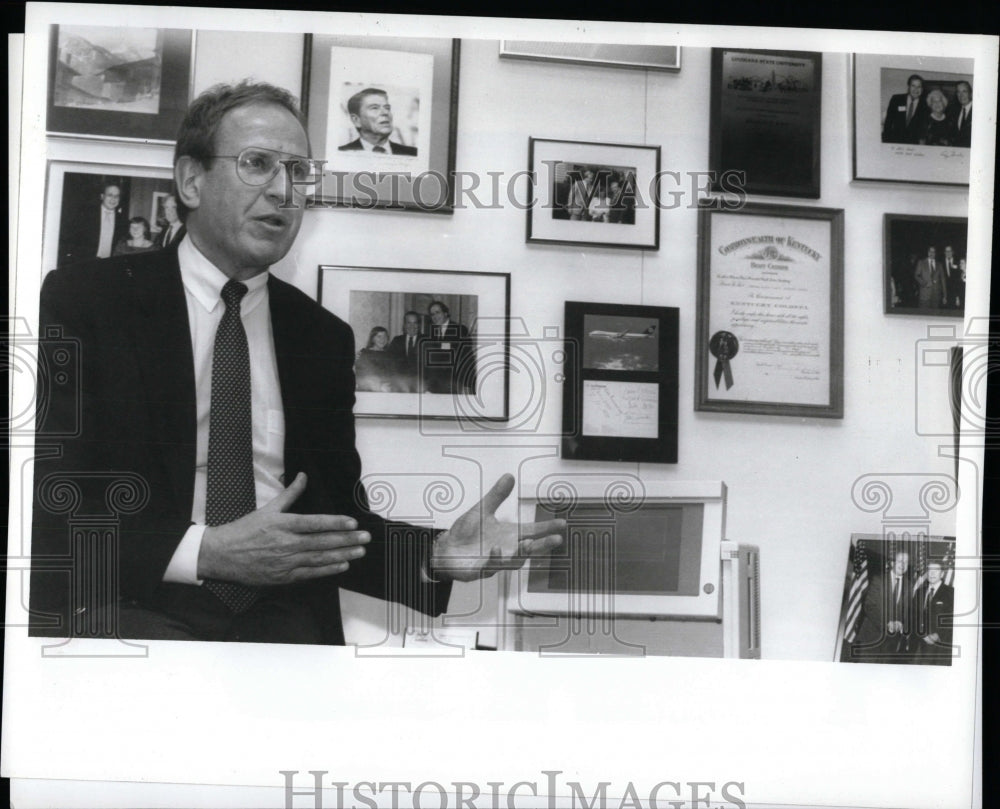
(895, 128)
(930, 283)
(934, 615)
(161, 240)
(963, 133)
(83, 235)
(129, 415)
(397, 148)
(449, 360)
(873, 641)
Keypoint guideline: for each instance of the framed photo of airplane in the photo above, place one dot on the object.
(620, 394)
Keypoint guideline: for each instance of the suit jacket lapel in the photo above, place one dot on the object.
(158, 322)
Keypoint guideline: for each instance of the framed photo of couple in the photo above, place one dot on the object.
(430, 344)
(912, 118)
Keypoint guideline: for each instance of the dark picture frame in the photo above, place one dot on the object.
(637, 57)
(620, 396)
(422, 75)
(908, 280)
(765, 120)
(462, 374)
(770, 331)
(907, 152)
(94, 99)
(594, 194)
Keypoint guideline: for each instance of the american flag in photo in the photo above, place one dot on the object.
(859, 585)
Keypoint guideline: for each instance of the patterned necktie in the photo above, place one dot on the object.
(231, 492)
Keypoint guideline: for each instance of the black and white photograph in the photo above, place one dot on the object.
(428, 344)
(621, 343)
(899, 601)
(103, 211)
(912, 118)
(580, 185)
(119, 82)
(925, 265)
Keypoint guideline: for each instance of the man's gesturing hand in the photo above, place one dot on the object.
(268, 546)
(478, 545)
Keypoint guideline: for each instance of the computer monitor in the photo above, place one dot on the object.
(652, 553)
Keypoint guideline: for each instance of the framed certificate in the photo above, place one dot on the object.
(620, 394)
(771, 311)
(765, 118)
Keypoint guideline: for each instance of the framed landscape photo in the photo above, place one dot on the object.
(641, 57)
(118, 83)
(912, 118)
(598, 194)
(75, 198)
(620, 392)
(924, 266)
(898, 603)
(429, 343)
(382, 113)
(770, 331)
(765, 120)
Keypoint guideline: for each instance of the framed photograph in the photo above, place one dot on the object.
(924, 266)
(430, 343)
(382, 112)
(641, 57)
(765, 120)
(620, 393)
(597, 194)
(119, 83)
(770, 332)
(81, 196)
(912, 118)
(898, 605)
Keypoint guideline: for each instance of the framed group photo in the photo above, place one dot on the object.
(119, 83)
(912, 118)
(621, 372)
(924, 266)
(430, 343)
(597, 194)
(78, 194)
(382, 113)
(765, 120)
(770, 331)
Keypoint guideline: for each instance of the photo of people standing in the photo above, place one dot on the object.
(924, 265)
(415, 342)
(593, 193)
(926, 109)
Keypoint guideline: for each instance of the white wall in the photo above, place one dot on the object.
(790, 479)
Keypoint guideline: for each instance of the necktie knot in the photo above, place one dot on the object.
(232, 294)
(379, 149)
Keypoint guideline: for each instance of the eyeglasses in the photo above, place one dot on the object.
(257, 165)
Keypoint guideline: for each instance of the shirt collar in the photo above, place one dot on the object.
(204, 281)
(369, 146)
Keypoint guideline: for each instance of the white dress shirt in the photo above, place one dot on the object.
(203, 283)
(370, 147)
(105, 242)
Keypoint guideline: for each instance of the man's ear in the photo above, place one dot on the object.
(356, 121)
(188, 176)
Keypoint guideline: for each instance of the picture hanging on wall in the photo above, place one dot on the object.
(765, 120)
(119, 83)
(382, 112)
(597, 194)
(770, 331)
(898, 605)
(924, 266)
(430, 344)
(78, 193)
(641, 57)
(912, 118)
(620, 393)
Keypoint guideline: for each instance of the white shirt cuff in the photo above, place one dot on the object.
(183, 567)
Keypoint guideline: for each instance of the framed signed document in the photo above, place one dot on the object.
(620, 394)
(765, 118)
(770, 327)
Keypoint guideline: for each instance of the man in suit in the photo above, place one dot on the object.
(173, 229)
(962, 114)
(906, 115)
(232, 486)
(405, 348)
(96, 232)
(886, 620)
(934, 611)
(931, 293)
(951, 277)
(371, 115)
(449, 357)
